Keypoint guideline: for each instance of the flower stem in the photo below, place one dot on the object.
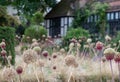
(119, 70)
(112, 71)
(36, 74)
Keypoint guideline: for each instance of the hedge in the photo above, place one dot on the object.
(8, 33)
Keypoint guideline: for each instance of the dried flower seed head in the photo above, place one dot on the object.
(54, 67)
(54, 55)
(19, 70)
(9, 58)
(29, 56)
(107, 38)
(34, 44)
(43, 36)
(45, 53)
(89, 40)
(3, 53)
(62, 50)
(117, 58)
(109, 53)
(71, 45)
(103, 59)
(34, 40)
(99, 45)
(2, 45)
(73, 40)
(70, 60)
(8, 73)
(37, 49)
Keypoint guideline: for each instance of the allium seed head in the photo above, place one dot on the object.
(99, 45)
(107, 38)
(109, 53)
(117, 57)
(29, 56)
(45, 53)
(70, 60)
(8, 73)
(37, 49)
(2, 45)
(3, 53)
(71, 45)
(19, 70)
(89, 40)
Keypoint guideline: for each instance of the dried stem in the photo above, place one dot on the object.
(119, 70)
(112, 70)
(36, 74)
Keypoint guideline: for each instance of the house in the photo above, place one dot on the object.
(59, 19)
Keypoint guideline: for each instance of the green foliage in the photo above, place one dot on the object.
(35, 32)
(76, 33)
(92, 8)
(8, 34)
(100, 10)
(7, 20)
(38, 18)
(81, 14)
(117, 38)
(29, 7)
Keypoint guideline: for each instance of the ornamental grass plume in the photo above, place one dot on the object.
(29, 56)
(9, 74)
(109, 54)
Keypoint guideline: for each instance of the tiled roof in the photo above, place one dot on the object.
(114, 6)
(63, 8)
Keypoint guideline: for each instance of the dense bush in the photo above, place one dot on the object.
(76, 33)
(38, 18)
(35, 32)
(8, 34)
(116, 40)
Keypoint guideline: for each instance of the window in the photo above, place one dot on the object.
(108, 16)
(116, 15)
(112, 16)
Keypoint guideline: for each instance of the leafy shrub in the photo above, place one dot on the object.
(75, 33)
(8, 34)
(38, 17)
(35, 32)
(116, 40)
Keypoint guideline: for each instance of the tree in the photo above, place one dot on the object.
(29, 7)
(92, 8)
(38, 18)
(7, 20)
(100, 10)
